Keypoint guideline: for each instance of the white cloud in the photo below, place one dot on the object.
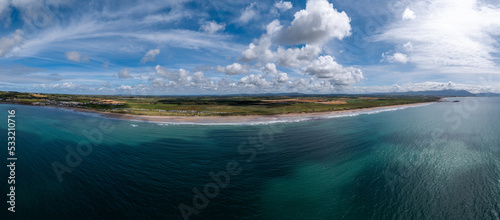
(103, 36)
(282, 78)
(125, 87)
(253, 81)
(179, 77)
(269, 68)
(326, 68)
(313, 26)
(233, 69)
(290, 57)
(150, 55)
(113, 29)
(162, 72)
(408, 47)
(76, 56)
(8, 43)
(316, 24)
(258, 83)
(124, 73)
(4, 6)
(173, 15)
(247, 14)
(212, 27)
(450, 36)
(395, 57)
(199, 78)
(258, 51)
(67, 85)
(296, 57)
(157, 82)
(408, 14)
(423, 86)
(183, 78)
(283, 5)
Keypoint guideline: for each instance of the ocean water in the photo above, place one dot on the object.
(438, 161)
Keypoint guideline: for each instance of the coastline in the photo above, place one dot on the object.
(247, 119)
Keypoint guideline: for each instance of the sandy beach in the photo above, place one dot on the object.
(248, 119)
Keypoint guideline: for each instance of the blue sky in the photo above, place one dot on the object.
(181, 47)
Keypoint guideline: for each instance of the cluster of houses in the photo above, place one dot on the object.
(172, 111)
(58, 103)
(68, 103)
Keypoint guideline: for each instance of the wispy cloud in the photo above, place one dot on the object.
(184, 46)
(212, 27)
(150, 55)
(448, 35)
(76, 56)
(248, 14)
(8, 43)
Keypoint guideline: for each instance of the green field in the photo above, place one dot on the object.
(212, 105)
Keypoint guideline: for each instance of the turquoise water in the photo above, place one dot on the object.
(440, 161)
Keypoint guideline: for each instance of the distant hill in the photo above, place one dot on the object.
(439, 93)
(488, 94)
(447, 93)
(443, 93)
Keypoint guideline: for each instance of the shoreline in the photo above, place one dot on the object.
(245, 119)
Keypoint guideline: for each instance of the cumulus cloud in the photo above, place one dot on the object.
(396, 57)
(320, 23)
(8, 43)
(124, 73)
(313, 26)
(181, 77)
(311, 29)
(259, 83)
(316, 24)
(282, 78)
(289, 57)
(67, 86)
(199, 78)
(252, 81)
(212, 27)
(157, 82)
(233, 69)
(125, 88)
(76, 56)
(408, 14)
(247, 14)
(258, 51)
(326, 68)
(150, 55)
(427, 86)
(269, 68)
(295, 57)
(283, 5)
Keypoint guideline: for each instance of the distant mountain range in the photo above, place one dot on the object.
(441, 93)
(445, 93)
(448, 92)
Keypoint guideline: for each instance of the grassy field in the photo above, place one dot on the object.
(212, 105)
